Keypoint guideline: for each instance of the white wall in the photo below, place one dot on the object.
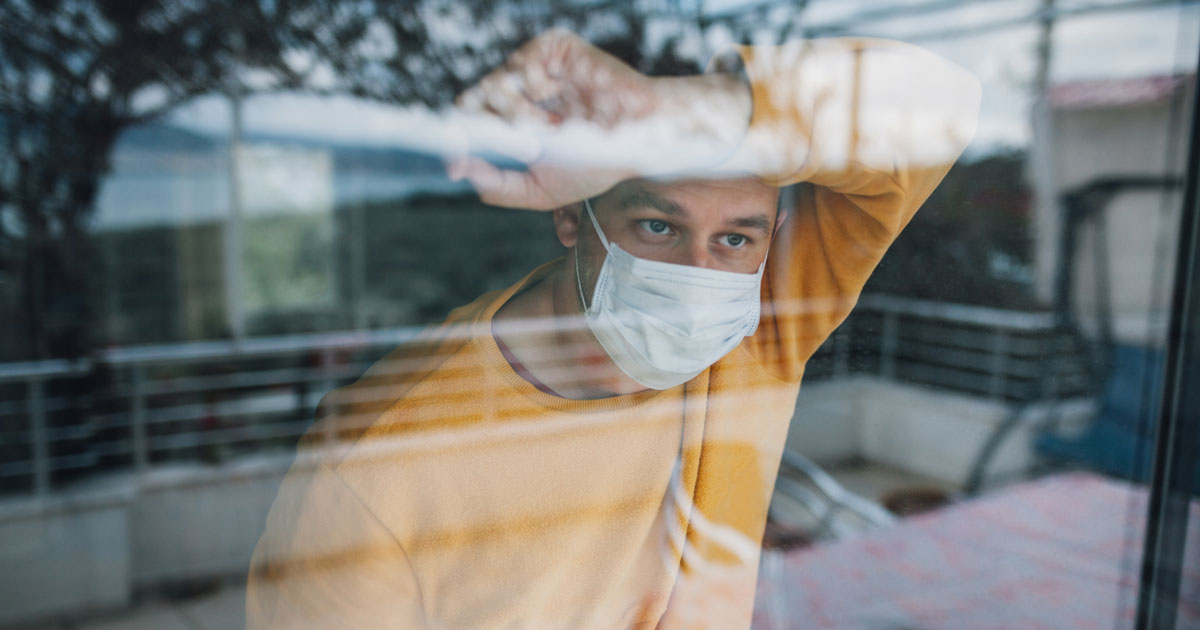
(916, 429)
(87, 551)
(65, 553)
(1077, 145)
(198, 521)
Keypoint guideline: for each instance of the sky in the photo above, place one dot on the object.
(1119, 44)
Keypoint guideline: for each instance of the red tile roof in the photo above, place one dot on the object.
(1114, 92)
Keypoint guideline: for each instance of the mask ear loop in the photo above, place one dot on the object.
(596, 224)
(774, 228)
(579, 283)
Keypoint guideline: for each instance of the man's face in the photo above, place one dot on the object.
(723, 224)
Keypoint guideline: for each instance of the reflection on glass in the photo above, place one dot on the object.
(597, 444)
(538, 314)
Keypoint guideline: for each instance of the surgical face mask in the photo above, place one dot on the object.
(662, 324)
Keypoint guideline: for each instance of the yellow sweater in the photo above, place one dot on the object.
(442, 490)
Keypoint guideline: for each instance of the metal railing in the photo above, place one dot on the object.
(1001, 354)
(133, 407)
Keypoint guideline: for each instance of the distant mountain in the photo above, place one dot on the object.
(350, 158)
(166, 138)
(164, 174)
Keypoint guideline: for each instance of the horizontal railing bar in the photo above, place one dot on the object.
(283, 345)
(981, 315)
(944, 376)
(21, 407)
(198, 384)
(25, 370)
(222, 436)
(952, 345)
(213, 350)
(299, 344)
(247, 380)
(872, 319)
(977, 383)
(261, 405)
(64, 462)
(178, 441)
(928, 332)
(970, 360)
(244, 406)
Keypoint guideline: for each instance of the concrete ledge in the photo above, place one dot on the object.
(196, 522)
(917, 429)
(88, 549)
(65, 553)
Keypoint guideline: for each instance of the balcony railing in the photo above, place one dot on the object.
(134, 407)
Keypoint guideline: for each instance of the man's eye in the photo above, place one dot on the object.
(654, 226)
(735, 240)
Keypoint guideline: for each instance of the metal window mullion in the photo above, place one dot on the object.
(1178, 429)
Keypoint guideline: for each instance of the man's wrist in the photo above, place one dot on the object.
(713, 108)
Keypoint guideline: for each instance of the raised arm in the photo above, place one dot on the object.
(594, 122)
(868, 128)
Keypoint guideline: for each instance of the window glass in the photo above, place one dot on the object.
(636, 314)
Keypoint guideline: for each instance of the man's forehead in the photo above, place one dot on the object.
(739, 195)
(666, 186)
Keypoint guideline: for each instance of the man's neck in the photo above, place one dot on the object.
(543, 329)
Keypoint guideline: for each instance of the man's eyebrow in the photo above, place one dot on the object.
(645, 199)
(758, 222)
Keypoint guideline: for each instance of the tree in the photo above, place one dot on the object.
(73, 75)
(428, 51)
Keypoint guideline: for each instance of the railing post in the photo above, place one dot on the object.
(327, 378)
(999, 363)
(1049, 383)
(327, 385)
(38, 435)
(888, 343)
(137, 417)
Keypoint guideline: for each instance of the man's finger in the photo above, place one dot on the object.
(456, 168)
(502, 187)
(468, 133)
(513, 94)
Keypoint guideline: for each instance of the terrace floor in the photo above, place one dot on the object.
(221, 605)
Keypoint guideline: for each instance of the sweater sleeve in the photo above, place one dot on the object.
(866, 129)
(325, 561)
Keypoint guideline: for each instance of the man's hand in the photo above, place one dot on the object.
(597, 122)
(558, 76)
(555, 79)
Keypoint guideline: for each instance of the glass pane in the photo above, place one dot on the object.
(665, 314)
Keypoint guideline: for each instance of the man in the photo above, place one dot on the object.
(595, 447)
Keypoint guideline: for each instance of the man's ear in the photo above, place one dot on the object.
(780, 217)
(566, 223)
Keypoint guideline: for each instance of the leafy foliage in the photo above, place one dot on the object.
(73, 75)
